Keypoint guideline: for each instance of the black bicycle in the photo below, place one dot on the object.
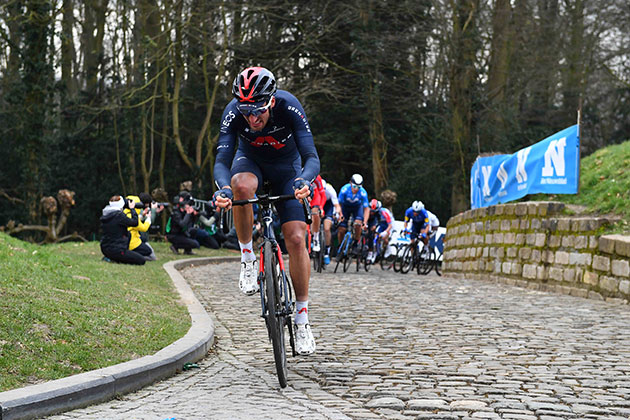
(318, 256)
(276, 294)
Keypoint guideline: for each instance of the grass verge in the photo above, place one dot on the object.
(604, 185)
(64, 311)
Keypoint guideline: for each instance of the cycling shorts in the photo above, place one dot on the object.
(281, 176)
(356, 212)
(416, 228)
(382, 227)
(328, 210)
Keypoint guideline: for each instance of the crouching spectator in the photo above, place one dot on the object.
(115, 224)
(143, 208)
(180, 225)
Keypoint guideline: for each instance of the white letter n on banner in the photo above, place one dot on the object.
(555, 154)
(486, 177)
(521, 174)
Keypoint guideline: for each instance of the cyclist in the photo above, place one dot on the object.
(354, 202)
(419, 221)
(265, 135)
(332, 209)
(380, 222)
(317, 204)
(434, 222)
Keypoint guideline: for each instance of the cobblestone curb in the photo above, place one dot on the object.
(100, 385)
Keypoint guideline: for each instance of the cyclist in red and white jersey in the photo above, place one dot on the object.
(317, 204)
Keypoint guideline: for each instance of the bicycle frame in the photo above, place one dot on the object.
(266, 219)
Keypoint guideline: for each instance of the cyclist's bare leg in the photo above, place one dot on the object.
(299, 262)
(341, 231)
(357, 229)
(316, 220)
(244, 186)
(327, 233)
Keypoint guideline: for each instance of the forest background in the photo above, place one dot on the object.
(105, 97)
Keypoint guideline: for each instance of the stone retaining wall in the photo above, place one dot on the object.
(539, 246)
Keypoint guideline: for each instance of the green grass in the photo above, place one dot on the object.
(604, 185)
(64, 311)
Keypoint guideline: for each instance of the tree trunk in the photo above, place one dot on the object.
(462, 78)
(36, 30)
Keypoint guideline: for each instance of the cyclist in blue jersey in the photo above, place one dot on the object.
(354, 202)
(265, 136)
(380, 223)
(417, 215)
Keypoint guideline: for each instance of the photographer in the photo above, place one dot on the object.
(116, 236)
(181, 222)
(144, 207)
(207, 221)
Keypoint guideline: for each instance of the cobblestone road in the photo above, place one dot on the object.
(394, 346)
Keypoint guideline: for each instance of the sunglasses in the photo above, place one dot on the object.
(250, 109)
(354, 185)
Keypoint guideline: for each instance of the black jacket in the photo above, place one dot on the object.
(115, 233)
(181, 222)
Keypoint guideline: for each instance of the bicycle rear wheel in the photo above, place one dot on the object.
(387, 262)
(425, 263)
(275, 317)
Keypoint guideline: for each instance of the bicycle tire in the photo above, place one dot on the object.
(398, 258)
(316, 262)
(322, 250)
(407, 262)
(346, 263)
(438, 263)
(341, 254)
(425, 265)
(386, 263)
(274, 308)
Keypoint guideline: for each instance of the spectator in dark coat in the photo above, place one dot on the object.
(115, 240)
(181, 223)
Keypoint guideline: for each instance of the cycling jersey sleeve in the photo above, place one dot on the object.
(304, 140)
(343, 193)
(408, 214)
(226, 146)
(385, 216)
(364, 198)
(332, 194)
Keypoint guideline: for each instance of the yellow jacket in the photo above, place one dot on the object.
(143, 226)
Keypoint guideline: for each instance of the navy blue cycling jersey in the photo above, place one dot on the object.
(286, 138)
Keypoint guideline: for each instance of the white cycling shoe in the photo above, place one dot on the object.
(304, 340)
(315, 246)
(248, 279)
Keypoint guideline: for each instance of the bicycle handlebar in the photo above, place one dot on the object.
(270, 199)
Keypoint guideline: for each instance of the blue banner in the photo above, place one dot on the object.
(551, 166)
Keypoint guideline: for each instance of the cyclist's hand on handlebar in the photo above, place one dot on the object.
(302, 188)
(223, 198)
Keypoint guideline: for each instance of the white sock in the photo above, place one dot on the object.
(247, 252)
(301, 312)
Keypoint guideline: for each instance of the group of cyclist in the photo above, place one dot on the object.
(353, 206)
(265, 137)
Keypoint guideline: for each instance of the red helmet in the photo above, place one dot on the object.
(254, 84)
(375, 205)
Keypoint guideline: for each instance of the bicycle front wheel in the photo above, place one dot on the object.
(275, 317)
(407, 259)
